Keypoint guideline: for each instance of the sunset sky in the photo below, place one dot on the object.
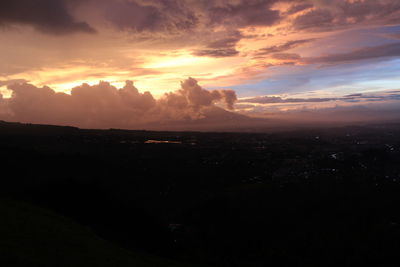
(276, 55)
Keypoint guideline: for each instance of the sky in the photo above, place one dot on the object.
(250, 57)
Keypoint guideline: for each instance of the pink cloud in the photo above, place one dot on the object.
(105, 106)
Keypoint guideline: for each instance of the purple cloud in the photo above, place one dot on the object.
(48, 16)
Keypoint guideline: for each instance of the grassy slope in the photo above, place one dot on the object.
(31, 236)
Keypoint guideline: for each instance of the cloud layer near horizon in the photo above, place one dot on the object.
(105, 106)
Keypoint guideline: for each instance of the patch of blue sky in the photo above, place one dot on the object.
(361, 76)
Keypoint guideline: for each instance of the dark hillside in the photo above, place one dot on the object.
(33, 237)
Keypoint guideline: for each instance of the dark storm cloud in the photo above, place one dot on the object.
(54, 16)
(155, 15)
(244, 13)
(335, 13)
(185, 15)
(282, 48)
(48, 16)
(175, 15)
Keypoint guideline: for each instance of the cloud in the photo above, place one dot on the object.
(286, 56)
(9, 82)
(366, 53)
(193, 97)
(276, 99)
(188, 16)
(282, 48)
(104, 106)
(366, 107)
(357, 97)
(342, 115)
(243, 13)
(224, 52)
(226, 42)
(163, 35)
(328, 15)
(319, 18)
(185, 15)
(393, 36)
(299, 7)
(154, 16)
(386, 50)
(48, 16)
(224, 47)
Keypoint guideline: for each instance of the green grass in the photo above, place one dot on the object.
(32, 236)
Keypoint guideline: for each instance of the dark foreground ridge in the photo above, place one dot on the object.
(316, 197)
(32, 236)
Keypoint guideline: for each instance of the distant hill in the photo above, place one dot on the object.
(214, 119)
(7, 128)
